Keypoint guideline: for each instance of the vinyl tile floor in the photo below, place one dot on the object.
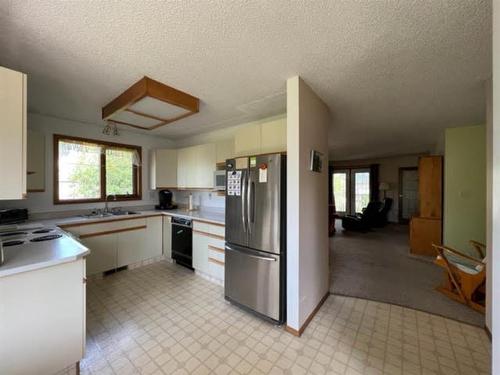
(164, 319)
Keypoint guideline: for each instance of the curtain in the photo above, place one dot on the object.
(374, 182)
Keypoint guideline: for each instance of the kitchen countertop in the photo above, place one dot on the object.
(33, 256)
(46, 254)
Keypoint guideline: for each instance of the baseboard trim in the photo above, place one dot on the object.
(301, 330)
(488, 332)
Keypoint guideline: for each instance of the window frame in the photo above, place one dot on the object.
(137, 170)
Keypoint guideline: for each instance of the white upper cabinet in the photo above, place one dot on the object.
(273, 136)
(36, 161)
(13, 147)
(163, 169)
(247, 140)
(261, 138)
(196, 166)
(224, 150)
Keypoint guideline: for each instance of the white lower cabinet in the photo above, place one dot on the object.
(42, 325)
(208, 250)
(118, 243)
(102, 253)
(154, 237)
(130, 247)
(167, 237)
(200, 252)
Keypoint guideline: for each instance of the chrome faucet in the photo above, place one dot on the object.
(106, 209)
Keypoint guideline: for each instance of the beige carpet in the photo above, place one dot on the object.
(377, 266)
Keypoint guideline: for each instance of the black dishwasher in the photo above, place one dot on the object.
(182, 241)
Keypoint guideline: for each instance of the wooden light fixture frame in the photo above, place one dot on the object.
(147, 87)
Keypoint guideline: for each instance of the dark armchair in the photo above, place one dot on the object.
(363, 221)
(374, 215)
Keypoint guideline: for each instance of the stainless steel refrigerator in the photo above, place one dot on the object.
(256, 234)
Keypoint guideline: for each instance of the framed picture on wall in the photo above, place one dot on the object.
(316, 161)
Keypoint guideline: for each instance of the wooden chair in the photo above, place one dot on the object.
(465, 275)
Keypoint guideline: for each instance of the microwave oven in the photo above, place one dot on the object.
(220, 180)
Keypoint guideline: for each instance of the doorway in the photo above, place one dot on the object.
(408, 193)
(351, 190)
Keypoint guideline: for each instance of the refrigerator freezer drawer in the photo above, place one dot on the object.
(252, 279)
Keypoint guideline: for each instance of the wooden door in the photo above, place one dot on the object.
(430, 172)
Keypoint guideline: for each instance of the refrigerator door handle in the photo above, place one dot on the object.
(243, 194)
(252, 204)
(249, 203)
(270, 259)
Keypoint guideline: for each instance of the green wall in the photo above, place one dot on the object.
(465, 186)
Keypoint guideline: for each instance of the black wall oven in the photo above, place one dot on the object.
(182, 241)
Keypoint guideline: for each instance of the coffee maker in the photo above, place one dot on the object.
(165, 201)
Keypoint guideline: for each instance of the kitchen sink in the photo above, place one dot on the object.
(100, 214)
(97, 215)
(119, 213)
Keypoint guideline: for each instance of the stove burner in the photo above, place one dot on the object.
(39, 231)
(12, 234)
(13, 243)
(46, 238)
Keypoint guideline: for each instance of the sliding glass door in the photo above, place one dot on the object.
(360, 193)
(351, 190)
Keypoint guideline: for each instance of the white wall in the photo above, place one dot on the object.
(43, 202)
(489, 194)
(201, 199)
(388, 172)
(494, 163)
(308, 119)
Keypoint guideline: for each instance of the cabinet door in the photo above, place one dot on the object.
(200, 252)
(130, 247)
(102, 253)
(167, 236)
(164, 169)
(247, 140)
(204, 166)
(13, 153)
(273, 136)
(154, 237)
(43, 319)
(36, 161)
(430, 174)
(224, 150)
(423, 233)
(183, 166)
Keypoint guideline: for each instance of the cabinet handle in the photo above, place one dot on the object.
(85, 280)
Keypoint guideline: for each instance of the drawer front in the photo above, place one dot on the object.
(207, 228)
(216, 253)
(218, 230)
(105, 227)
(202, 227)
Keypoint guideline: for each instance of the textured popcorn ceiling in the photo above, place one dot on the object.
(394, 73)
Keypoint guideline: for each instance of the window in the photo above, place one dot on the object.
(340, 191)
(351, 189)
(87, 170)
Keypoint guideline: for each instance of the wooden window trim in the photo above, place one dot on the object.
(137, 195)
